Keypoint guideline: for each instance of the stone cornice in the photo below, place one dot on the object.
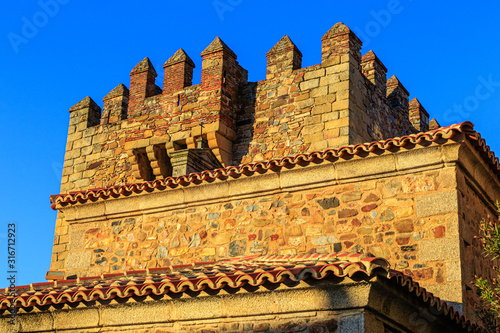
(309, 175)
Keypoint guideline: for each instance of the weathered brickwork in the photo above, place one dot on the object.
(295, 110)
(104, 152)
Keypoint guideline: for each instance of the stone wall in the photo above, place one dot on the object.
(393, 218)
(477, 197)
(409, 217)
(418, 206)
(295, 110)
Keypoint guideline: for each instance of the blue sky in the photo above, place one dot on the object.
(56, 52)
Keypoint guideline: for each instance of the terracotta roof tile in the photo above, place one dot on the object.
(227, 273)
(231, 273)
(247, 169)
(432, 301)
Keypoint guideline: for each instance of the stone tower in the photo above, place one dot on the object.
(325, 159)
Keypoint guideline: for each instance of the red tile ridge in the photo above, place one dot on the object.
(254, 270)
(432, 301)
(115, 191)
(234, 273)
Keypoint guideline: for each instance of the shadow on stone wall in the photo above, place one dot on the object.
(245, 121)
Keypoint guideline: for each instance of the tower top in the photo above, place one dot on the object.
(87, 102)
(179, 56)
(216, 46)
(119, 90)
(285, 44)
(144, 66)
(338, 29)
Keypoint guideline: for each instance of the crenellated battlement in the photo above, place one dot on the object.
(346, 99)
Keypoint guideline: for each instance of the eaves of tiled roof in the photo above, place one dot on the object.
(229, 273)
(450, 132)
(427, 298)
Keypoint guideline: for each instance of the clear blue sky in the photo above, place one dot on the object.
(446, 54)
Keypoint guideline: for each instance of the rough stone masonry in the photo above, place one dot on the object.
(416, 206)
